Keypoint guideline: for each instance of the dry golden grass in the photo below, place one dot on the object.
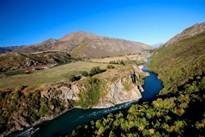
(135, 57)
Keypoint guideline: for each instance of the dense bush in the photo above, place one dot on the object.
(84, 73)
(26, 107)
(110, 66)
(77, 75)
(92, 93)
(96, 70)
(121, 62)
(74, 77)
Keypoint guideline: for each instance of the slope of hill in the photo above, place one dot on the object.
(3, 50)
(13, 62)
(82, 44)
(188, 33)
(90, 45)
(178, 62)
(43, 46)
(179, 109)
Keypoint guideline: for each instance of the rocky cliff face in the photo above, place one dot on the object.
(114, 92)
(120, 91)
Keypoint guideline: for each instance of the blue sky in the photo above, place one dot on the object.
(149, 21)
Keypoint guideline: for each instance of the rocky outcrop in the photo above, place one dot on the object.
(117, 91)
(120, 91)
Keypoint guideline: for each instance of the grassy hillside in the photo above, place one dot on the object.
(56, 74)
(177, 64)
(177, 111)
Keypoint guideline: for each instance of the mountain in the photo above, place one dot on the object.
(89, 45)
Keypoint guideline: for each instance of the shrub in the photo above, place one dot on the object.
(96, 70)
(73, 77)
(121, 62)
(43, 107)
(91, 95)
(84, 73)
(110, 66)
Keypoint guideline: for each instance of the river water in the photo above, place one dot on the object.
(68, 121)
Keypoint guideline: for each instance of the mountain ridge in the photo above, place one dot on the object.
(187, 33)
(86, 44)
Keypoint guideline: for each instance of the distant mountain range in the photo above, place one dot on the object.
(83, 44)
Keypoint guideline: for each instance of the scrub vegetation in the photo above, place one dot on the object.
(27, 108)
(93, 91)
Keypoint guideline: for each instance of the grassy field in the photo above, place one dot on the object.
(135, 57)
(56, 74)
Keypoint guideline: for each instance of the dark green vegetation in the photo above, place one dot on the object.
(177, 111)
(94, 89)
(78, 75)
(96, 70)
(126, 62)
(110, 67)
(121, 62)
(20, 109)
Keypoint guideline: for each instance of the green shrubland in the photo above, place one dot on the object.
(93, 91)
(29, 107)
